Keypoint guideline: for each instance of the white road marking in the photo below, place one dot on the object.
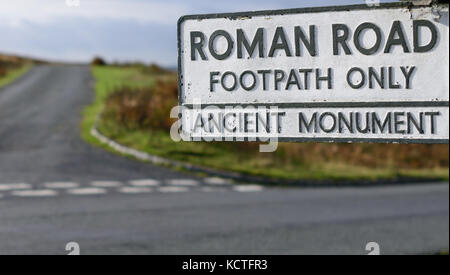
(135, 190)
(14, 186)
(106, 184)
(212, 189)
(217, 181)
(137, 187)
(35, 193)
(172, 189)
(61, 185)
(87, 191)
(182, 182)
(145, 183)
(248, 188)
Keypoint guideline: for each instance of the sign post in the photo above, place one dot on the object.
(333, 74)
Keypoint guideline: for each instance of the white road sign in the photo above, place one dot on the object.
(334, 74)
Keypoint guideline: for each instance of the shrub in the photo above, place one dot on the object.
(149, 109)
(153, 69)
(146, 108)
(98, 61)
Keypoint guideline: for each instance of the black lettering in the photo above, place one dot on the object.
(417, 24)
(279, 77)
(258, 41)
(432, 116)
(213, 80)
(247, 123)
(379, 78)
(264, 73)
(276, 45)
(396, 31)
(393, 85)
(224, 76)
(376, 123)
(279, 120)
(344, 122)
(357, 38)
(358, 123)
(230, 45)
(199, 123)
(321, 121)
(293, 80)
(412, 121)
(306, 73)
(408, 74)
(340, 40)
(241, 79)
(266, 124)
(310, 126)
(197, 45)
(398, 122)
(349, 78)
(327, 78)
(234, 129)
(215, 124)
(309, 44)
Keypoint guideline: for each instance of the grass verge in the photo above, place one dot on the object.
(290, 162)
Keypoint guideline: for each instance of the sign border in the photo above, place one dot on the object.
(249, 14)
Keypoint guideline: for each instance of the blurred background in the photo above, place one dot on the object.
(137, 41)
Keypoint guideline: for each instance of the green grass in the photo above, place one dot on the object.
(108, 79)
(223, 156)
(12, 75)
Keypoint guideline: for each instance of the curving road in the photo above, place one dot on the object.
(55, 188)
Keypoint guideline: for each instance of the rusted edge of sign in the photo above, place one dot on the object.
(250, 14)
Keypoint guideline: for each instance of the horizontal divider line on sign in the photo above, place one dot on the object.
(330, 104)
(328, 140)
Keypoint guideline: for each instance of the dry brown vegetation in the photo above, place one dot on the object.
(145, 108)
(98, 61)
(8, 63)
(13, 61)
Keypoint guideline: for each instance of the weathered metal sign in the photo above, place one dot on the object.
(350, 74)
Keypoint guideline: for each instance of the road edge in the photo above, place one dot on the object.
(242, 178)
(17, 75)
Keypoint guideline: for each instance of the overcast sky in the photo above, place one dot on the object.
(122, 30)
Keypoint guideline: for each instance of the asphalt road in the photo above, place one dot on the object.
(55, 189)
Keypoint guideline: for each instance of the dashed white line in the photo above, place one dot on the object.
(172, 189)
(135, 187)
(212, 189)
(14, 186)
(145, 183)
(35, 193)
(248, 188)
(182, 182)
(217, 181)
(106, 184)
(87, 191)
(61, 185)
(135, 190)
